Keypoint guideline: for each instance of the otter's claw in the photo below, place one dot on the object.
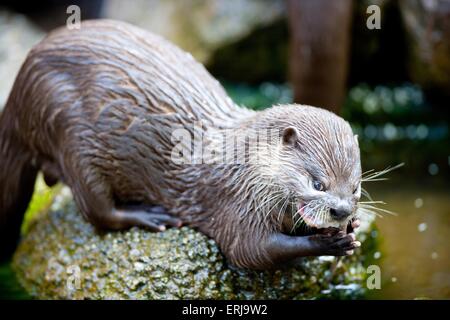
(353, 224)
(339, 244)
(153, 218)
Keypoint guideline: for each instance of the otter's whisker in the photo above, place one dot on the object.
(365, 173)
(268, 200)
(363, 180)
(366, 206)
(366, 193)
(274, 206)
(302, 225)
(375, 176)
(372, 202)
(318, 218)
(369, 213)
(317, 214)
(325, 212)
(298, 223)
(297, 212)
(283, 208)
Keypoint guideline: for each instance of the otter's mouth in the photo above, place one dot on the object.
(316, 217)
(308, 219)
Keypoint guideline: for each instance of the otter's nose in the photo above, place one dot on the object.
(339, 214)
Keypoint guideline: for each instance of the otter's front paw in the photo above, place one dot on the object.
(337, 244)
(353, 224)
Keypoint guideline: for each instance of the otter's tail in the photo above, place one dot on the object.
(17, 177)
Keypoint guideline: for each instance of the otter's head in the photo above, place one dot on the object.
(317, 166)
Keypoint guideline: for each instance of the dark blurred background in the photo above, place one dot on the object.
(392, 84)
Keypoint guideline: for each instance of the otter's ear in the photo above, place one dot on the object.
(356, 139)
(290, 135)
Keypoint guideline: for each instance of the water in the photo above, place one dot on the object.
(414, 246)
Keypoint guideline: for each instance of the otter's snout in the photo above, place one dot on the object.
(340, 214)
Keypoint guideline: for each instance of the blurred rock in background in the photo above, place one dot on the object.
(198, 26)
(17, 36)
(23, 24)
(427, 24)
(249, 40)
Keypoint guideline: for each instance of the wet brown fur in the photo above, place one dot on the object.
(93, 108)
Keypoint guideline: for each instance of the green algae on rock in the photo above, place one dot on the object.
(63, 257)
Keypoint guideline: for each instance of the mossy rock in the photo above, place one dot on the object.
(63, 257)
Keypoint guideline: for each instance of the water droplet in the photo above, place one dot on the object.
(400, 96)
(390, 131)
(422, 131)
(434, 255)
(357, 94)
(422, 227)
(394, 279)
(411, 132)
(433, 169)
(418, 203)
(377, 255)
(370, 105)
(370, 131)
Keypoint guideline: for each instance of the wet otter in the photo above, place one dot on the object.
(96, 109)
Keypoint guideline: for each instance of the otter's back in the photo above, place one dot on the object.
(110, 67)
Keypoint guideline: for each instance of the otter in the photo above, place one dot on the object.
(96, 108)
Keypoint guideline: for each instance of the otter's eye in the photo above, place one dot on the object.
(318, 185)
